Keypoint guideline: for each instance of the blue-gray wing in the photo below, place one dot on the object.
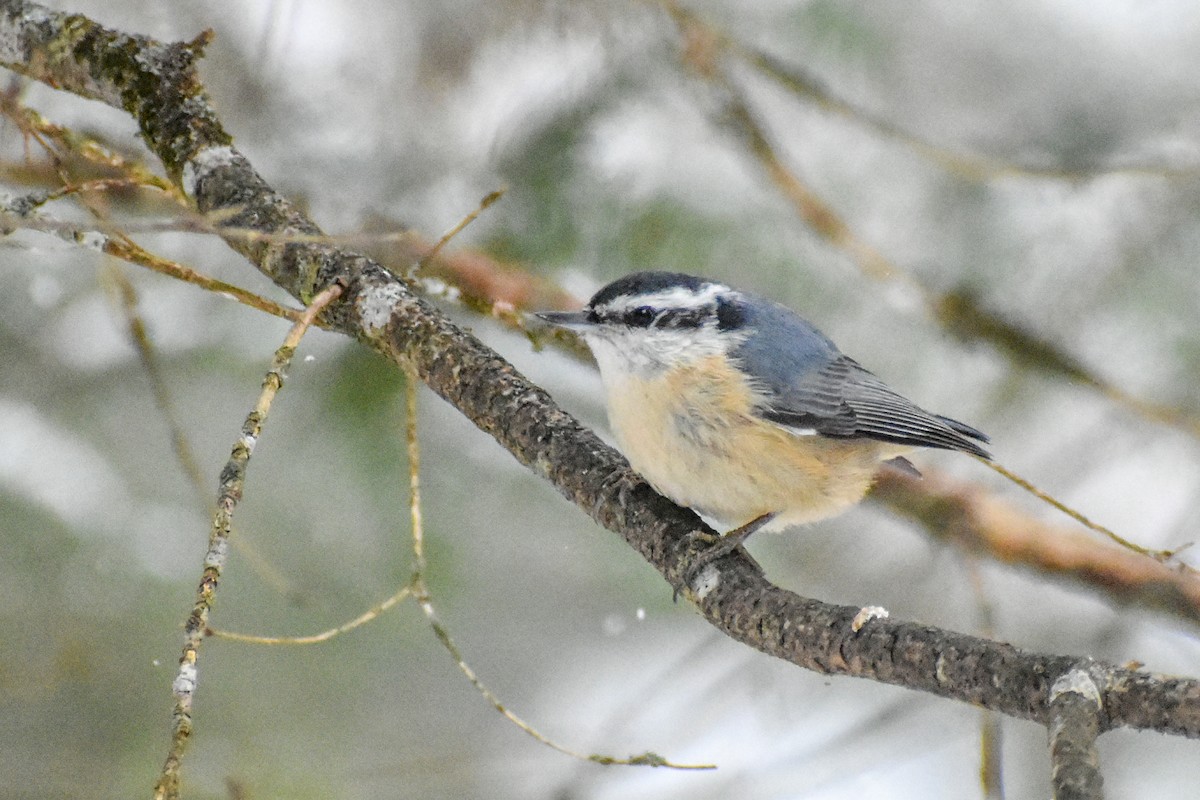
(810, 387)
(842, 400)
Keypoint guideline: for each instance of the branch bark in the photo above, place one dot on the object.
(1075, 770)
(157, 84)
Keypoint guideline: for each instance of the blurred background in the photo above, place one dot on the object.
(1038, 159)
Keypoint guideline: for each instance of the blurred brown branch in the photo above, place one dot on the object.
(973, 518)
(971, 166)
(959, 311)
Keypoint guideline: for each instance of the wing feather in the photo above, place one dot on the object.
(809, 386)
(843, 400)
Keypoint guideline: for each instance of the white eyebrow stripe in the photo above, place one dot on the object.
(677, 297)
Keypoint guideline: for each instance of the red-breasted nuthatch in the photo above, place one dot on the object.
(738, 408)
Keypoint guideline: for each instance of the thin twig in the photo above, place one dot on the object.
(112, 242)
(489, 198)
(127, 300)
(425, 601)
(116, 243)
(232, 487)
(33, 124)
(401, 595)
(1162, 556)
(991, 733)
(971, 166)
(132, 252)
(58, 141)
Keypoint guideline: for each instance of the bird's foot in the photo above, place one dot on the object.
(719, 547)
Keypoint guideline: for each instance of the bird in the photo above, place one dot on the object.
(738, 408)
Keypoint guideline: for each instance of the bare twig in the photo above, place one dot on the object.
(484, 204)
(232, 487)
(113, 242)
(1158, 555)
(126, 297)
(971, 166)
(65, 140)
(418, 588)
(425, 601)
(60, 142)
(402, 594)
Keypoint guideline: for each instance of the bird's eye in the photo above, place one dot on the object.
(640, 317)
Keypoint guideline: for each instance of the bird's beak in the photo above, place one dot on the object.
(572, 320)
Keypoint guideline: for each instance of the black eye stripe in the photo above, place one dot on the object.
(692, 318)
(640, 317)
(657, 317)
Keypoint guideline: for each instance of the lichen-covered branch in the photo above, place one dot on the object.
(157, 85)
(1075, 766)
(232, 487)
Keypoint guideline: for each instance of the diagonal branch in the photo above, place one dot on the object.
(157, 84)
(964, 514)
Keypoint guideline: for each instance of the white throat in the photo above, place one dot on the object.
(645, 353)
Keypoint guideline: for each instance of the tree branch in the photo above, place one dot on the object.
(970, 517)
(156, 83)
(1075, 703)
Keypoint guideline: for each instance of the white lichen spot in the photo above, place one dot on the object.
(708, 579)
(204, 162)
(248, 441)
(376, 305)
(939, 669)
(1079, 682)
(309, 359)
(185, 682)
(217, 555)
(865, 615)
(12, 45)
(641, 615)
(435, 287)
